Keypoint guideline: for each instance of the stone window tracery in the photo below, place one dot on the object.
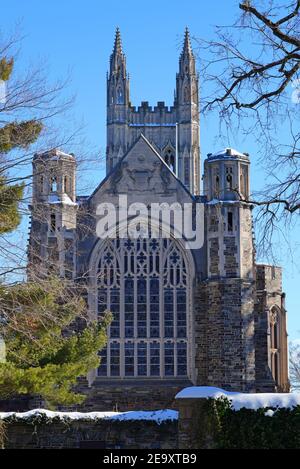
(144, 283)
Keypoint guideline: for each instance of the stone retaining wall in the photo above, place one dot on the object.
(92, 435)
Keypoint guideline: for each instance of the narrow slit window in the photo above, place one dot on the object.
(53, 184)
(66, 187)
(230, 221)
(41, 184)
(53, 222)
(229, 178)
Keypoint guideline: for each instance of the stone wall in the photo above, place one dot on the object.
(124, 396)
(92, 435)
(224, 334)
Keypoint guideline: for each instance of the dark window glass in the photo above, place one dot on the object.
(169, 359)
(102, 370)
(53, 222)
(154, 359)
(142, 359)
(129, 359)
(115, 359)
(182, 359)
(230, 221)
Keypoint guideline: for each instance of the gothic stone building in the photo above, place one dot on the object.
(208, 316)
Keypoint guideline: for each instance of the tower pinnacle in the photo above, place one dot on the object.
(117, 58)
(187, 48)
(118, 42)
(187, 59)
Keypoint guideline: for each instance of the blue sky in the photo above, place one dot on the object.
(76, 37)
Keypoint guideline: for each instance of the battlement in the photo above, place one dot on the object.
(159, 108)
(157, 116)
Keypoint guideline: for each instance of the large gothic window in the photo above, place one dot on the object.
(144, 283)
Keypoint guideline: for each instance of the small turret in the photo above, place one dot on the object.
(54, 177)
(53, 212)
(229, 216)
(226, 175)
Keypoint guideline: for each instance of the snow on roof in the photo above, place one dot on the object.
(229, 152)
(159, 416)
(55, 154)
(240, 400)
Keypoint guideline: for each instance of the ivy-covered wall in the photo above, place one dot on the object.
(38, 433)
(214, 424)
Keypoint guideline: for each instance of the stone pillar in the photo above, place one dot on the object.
(196, 427)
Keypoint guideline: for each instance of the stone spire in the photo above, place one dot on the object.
(187, 60)
(187, 48)
(117, 58)
(118, 43)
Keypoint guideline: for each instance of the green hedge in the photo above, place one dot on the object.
(253, 429)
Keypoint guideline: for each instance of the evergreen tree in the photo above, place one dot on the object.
(12, 135)
(45, 351)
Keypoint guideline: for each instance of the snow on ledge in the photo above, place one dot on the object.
(159, 416)
(240, 400)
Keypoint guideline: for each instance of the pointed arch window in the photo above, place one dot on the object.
(52, 222)
(53, 185)
(229, 178)
(244, 181)
(145, 284)
(41, 184)
(120, 96)
(186, 95)
(216, 182)
(67, 184)
(169, 158)
(275, 343)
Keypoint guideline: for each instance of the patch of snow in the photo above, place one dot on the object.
(65, 199)
(159, 416)
(225, 202)
(240, 400)
(270, 413)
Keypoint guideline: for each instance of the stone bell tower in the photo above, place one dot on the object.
(53, 214)
(173, 131)
(230, 291)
